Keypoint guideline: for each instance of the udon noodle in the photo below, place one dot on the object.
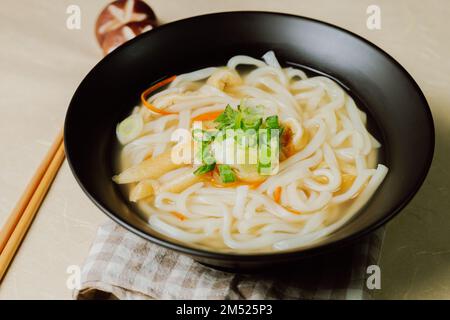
(327, 158)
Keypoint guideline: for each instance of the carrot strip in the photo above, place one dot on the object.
(180, 216)
(293, 211)
(207, 116)
(153, 88)
(277, 195)
(255, 185)
(277, 199)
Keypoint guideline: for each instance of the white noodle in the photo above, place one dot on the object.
(184, 121)
(246, 60)
(241, 195)
(311, 147)
(254, 77)
(270, 58)
(193, 76)
(292, 73)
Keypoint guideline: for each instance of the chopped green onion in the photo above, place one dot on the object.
(245, 118)
(264, 159)
(237, 121)
(252, 117)
(204, 169)
(254, 124)
(272, 122)
(130, 128)
(227, 119)
(207, 156)
(197, 135)
(247, 138)
(247, 122)
(226, 174)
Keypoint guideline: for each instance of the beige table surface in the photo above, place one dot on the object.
(42, 62)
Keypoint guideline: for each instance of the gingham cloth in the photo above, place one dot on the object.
(121, 265)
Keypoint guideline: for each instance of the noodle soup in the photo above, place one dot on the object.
(307, 162)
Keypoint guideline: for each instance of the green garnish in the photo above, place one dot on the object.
(207, 155)
(264, 152)
(270, 126)
(242, 118)
(272, 122)
(228, 119)
(251, 117)
(204, 169)
(247, 138)
(251, 130)
(253, 124)
(226, 174)
(208, 160)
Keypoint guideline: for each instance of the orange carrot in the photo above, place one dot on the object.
(255, 185)
(277, 195)
(293, 211)
(207, 116)
(180, 216)
(235, 184)
(153, 88)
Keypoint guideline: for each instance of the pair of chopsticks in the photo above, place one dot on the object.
(19, 221)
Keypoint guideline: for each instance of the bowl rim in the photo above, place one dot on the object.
(254, 257)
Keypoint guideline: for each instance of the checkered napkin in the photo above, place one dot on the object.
(121, 265)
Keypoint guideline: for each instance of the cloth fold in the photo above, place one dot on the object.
(121, 265)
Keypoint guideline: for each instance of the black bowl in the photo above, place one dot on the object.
(398, 112)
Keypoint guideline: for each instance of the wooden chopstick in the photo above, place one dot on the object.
(17, 212)
(21, 217)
